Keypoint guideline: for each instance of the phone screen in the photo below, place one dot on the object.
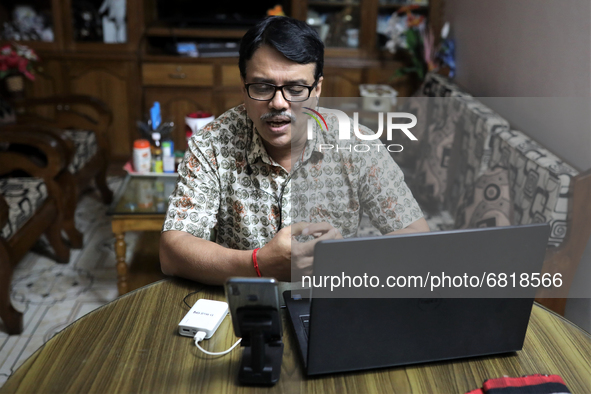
(252, 293)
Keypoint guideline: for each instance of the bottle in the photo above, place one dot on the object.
(158, 167)
(167, 156)
(141, 156)
(178, 159)
(157, 154)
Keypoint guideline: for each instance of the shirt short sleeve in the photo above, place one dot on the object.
(194, 204)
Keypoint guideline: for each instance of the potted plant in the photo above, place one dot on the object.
(409, 32)
(15, 63)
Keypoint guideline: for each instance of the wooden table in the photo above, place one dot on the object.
(131, 345)
(139, 205)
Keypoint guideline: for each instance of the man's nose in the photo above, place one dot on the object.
(279, 102)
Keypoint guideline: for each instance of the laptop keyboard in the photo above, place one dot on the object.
(305, 319)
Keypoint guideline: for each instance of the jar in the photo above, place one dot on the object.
(141, 156)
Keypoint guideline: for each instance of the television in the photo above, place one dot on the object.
(191, 13)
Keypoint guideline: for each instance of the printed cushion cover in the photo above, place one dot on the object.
(86, 147)
(538, 181)
(23, 196)
(454, 151)
(434, 85)
(487, 203)
(472, 144)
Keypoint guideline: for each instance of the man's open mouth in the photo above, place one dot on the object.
(278, 122)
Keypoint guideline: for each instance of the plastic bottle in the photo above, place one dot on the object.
(168, 156)
(141, 156)
(157, 165)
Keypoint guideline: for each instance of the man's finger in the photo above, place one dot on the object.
(317, 228)
(307, 248)
(297, 228)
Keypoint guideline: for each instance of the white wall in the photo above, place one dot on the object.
(533, 48)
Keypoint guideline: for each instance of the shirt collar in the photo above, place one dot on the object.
(256, 149)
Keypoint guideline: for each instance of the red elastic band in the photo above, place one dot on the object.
(256, 264)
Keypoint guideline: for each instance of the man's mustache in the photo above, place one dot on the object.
(270, 115)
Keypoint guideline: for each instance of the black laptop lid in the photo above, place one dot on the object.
(354, 334)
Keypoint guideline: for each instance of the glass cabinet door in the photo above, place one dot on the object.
(99, 21)
(27, 20)
(337, 21)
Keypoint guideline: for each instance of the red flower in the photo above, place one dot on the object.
(16, 59)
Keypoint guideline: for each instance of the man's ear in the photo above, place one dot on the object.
(318, 88)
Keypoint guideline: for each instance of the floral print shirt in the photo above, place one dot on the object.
(232, 192)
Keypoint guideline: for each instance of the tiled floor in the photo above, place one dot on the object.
(52, 295)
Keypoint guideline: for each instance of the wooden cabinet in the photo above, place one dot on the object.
(49, 81)
(116, 83)
(171, 74)
(190, 85)
(341, 82)
(72, 64)
(129, 76)
(176, 103)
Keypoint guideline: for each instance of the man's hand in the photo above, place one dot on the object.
(281, 253)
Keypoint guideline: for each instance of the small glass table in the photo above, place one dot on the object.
(139, 205)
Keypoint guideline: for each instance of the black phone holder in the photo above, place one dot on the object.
(263, 346)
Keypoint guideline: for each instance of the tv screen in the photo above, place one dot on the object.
(191, 13)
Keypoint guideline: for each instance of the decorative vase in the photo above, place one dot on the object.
(14, 86)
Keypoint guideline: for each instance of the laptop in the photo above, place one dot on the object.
(352, 334)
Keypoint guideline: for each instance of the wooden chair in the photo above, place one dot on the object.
(84, 121)
(30, 205)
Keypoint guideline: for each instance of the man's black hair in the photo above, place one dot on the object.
(294, 39)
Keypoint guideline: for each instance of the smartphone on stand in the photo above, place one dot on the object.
(253, 294)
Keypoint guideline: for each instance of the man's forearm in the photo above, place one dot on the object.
(184, 255)
(418, 226)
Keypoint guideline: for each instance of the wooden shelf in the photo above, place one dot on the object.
(332, 4)
(386, 5)
(162, 31)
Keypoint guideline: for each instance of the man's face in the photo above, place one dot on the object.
(278, 119)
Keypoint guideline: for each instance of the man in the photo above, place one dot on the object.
(250, 179)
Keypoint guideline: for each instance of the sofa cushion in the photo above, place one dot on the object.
(488, 203)
(422, 104)
(23, 196)
(436, 85)
(430, 175)
(471, 150)
(539, 181)
(86, 147)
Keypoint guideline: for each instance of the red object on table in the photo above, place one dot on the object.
(199, 114)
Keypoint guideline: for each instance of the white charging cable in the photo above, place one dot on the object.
(201, 335)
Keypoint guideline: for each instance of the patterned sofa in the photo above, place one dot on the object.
(469, 169)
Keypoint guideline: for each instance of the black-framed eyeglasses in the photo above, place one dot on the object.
(261, 91)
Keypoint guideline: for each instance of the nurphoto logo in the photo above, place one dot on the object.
(345, 129)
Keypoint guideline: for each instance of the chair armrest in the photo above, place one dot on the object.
(49, 142)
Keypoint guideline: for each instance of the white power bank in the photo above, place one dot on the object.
(206, 316)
